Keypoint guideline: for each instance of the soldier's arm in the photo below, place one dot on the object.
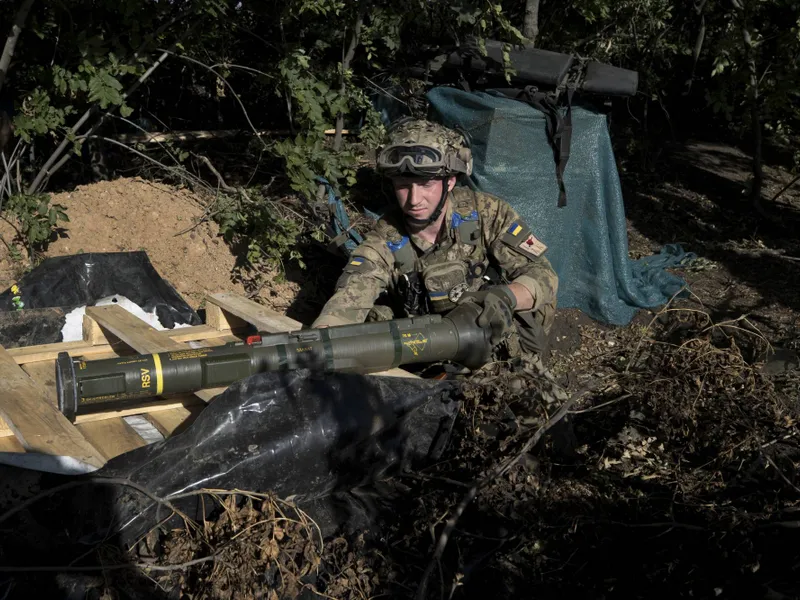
(366, 275)
(517, 250)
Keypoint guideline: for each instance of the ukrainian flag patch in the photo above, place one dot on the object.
(357, 261)
(515, 229)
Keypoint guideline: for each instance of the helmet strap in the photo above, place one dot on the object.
(436, 213)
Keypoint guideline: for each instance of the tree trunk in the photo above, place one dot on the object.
(698, 46)
(755, 114)
(530, 27)
(348, 58)
(11, 42)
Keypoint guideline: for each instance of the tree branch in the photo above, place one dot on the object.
(50, 166)
(11, 41)
(227, 85)
(784, 188)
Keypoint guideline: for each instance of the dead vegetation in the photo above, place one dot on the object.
(670, 473)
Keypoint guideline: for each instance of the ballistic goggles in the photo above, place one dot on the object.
(419, 159)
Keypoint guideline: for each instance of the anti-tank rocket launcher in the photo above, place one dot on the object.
(86, 386)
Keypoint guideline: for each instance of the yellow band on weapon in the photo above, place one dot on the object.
(159, 377)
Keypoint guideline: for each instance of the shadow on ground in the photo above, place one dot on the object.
(698, 200)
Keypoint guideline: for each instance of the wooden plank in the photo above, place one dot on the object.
(41, 352)
(220, 320)
(92, 333)
(44, 373)
(257, 315)
(10, 444)
(183, 401)
(112, 436)
(35, 421)
(132, 330)
(167, 421)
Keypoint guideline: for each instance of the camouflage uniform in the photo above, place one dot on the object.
(481, 231)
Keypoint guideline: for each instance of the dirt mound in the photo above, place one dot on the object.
(131, 214)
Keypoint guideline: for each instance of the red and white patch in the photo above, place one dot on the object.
(532, 246)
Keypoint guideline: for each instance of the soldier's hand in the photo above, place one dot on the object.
(498, 304)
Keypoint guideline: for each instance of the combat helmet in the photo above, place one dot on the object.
(417, 147)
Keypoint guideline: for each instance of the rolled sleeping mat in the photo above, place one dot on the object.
(609, 81)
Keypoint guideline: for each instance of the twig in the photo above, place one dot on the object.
(220, 180)
(243, 68)
(95, 480)
(179, 169)
(649, 325)
(786, 187)
(8, 589)
(384, 91)
(7, 176)
(71, 569)
(780, 439)
(143, 130)
(599, 406)
(228, 85)
(670, 524)
(780, 473)
(761, 252)
(498, 471)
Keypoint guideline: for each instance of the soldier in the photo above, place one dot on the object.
(442, 245)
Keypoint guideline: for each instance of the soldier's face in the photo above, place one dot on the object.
(418, 198)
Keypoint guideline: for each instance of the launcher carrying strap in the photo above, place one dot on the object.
(559, 128)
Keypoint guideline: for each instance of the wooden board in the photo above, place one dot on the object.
(254, 313)
(42, 352)
(129, 328)
(10, 444)
(44, 373)
(35, 421)
(112, 436)
(168, 421)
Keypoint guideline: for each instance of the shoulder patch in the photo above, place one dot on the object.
(358, 264)
(520, 238)
(395, 246)
(458, 218)
(532, 245)
(517, 232)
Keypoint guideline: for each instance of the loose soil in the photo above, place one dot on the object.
(132, 214)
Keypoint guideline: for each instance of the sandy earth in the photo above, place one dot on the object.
(131, 214)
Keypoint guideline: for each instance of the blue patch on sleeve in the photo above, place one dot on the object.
(458, 218)
(395, 246)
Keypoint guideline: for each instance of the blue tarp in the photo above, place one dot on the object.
(587, 239)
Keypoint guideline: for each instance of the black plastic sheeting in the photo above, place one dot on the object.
(325, 440)
(30, 327)
(68, 282)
